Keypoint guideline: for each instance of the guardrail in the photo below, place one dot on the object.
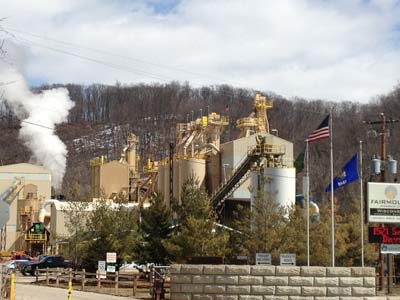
(114, 283)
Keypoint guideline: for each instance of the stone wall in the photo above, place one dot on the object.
(244, 282)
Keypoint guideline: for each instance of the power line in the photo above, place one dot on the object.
(161, 66)
(108, 64)
(36, 124)
(30, 123)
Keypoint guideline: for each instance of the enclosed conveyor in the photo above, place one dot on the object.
(9, 194)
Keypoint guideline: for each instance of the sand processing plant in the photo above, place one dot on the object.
(231, 173)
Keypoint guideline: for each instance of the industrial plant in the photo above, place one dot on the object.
(231, 173)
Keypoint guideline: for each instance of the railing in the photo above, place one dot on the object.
(110, 283)
(387, 285)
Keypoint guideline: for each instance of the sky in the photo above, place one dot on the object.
(342, 50)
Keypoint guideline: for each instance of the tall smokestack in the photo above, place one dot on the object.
(40, 113)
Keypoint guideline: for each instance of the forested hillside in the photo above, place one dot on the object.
(104, 115)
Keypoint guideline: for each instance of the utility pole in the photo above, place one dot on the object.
(383, 134)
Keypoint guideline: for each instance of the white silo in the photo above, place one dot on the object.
(276, 183)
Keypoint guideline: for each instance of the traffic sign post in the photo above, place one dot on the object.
(101, 266)
(111, 257)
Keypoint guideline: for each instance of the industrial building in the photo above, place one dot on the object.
(24, 187)
(231, 173)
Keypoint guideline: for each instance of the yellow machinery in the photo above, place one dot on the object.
(198, 137)
(257, 122)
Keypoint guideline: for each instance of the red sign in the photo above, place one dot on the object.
(384, 235)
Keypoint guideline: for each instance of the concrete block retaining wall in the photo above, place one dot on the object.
(244, 282)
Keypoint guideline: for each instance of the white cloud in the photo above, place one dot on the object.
(339, 50)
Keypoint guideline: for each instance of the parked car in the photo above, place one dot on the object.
(50, 261)
(10, 266)
(130, 268)
(21, 257)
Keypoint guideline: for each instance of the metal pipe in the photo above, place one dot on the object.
(42, 212)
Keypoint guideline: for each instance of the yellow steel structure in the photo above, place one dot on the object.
(193, 138)
(35, 237)
(98, 161)
(257, 122)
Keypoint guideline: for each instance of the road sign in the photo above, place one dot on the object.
(101, 266)
(111, 268)
(288, 259)
(383, 202)
(390, 248)
(111, 257)
(263, 259)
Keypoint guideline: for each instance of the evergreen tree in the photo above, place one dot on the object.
(196, 233)
(156, 227)
(259, 229)
(294, 237)
(110, 229)
(76, 214)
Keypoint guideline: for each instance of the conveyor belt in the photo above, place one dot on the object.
(241, 173)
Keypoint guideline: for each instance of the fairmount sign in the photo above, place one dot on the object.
(383, 202)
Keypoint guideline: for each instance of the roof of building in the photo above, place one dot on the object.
(278, 140)
(23, 168)
(90, 206)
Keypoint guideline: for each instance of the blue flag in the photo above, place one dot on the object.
(350, 174)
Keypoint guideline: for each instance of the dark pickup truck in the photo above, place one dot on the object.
(50, 261)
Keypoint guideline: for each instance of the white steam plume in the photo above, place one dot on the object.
(39, 114)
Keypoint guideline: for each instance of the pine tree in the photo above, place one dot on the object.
(156, 227)
(110, 229)
(259, 229)
(196, 233)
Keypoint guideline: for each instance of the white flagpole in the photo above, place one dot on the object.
(332, 199)
(361, 206)
(308, 208)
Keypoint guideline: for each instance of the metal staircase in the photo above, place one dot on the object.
(242, 172)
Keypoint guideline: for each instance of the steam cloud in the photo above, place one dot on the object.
(47, 109)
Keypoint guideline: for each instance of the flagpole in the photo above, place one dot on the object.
(308, 208)
(332, 199)
(361, 206)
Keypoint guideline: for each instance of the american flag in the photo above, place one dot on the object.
(322, 132)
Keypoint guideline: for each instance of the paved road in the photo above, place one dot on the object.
(33, 292)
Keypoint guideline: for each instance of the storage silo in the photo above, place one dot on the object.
(191, 167)
(176, 183)
(277, 183)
